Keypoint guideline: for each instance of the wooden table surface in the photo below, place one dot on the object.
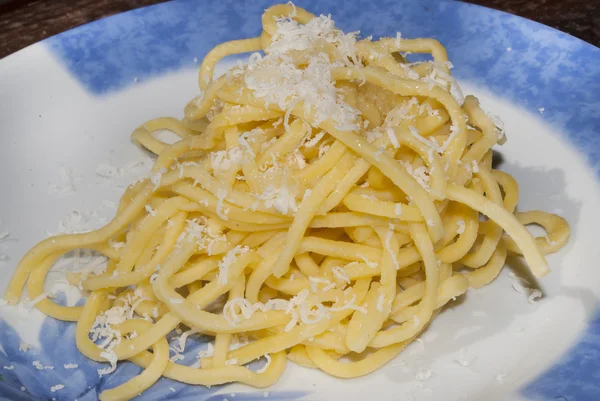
(23, 22)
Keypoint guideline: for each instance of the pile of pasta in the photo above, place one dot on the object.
(323, 203)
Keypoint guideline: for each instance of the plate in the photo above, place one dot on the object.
(70, 102)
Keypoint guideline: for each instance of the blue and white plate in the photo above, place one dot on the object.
(69, 103)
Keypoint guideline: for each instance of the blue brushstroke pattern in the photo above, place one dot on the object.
(57, 348)
(577, 376)
(544, 69)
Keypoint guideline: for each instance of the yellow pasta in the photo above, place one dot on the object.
(324, 201)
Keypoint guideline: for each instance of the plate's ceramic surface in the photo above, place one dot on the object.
(68, 104)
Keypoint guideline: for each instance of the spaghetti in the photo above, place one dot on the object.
(324, 200)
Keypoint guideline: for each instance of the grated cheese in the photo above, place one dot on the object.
(372, 198)
(499, 125)
(57, 388)
(115, 245)
(32, 302)
(298, 157)
(398, 209)
(388, 247)
(220, 199)
(392, 136)
(24, 347)
(549, 241)
(340, 273)
(74, 223)
(111, 357)
(243, 141)
(420, 174)
(205, 236)
(156, 177)
(296, 307)
(208, 352)
(380, 302)
(323, 149)
(102, 327)
(313, 141)
(280, 198)
(423, 374)
(534, 296)
(410, 72)
(176, 358)
(150, 211)
(520, 289)
(182, 340)
(373, 135)
(349, 305)
(227, 260)
(317, 280)
(225, 160)
(347, 127)
(460, 226)
(277, 80)
(371, 264)
(38, 365)
(415, 133)
(398, 39)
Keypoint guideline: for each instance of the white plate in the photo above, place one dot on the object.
(68, 104)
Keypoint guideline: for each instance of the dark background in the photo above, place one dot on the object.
(24, 22)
